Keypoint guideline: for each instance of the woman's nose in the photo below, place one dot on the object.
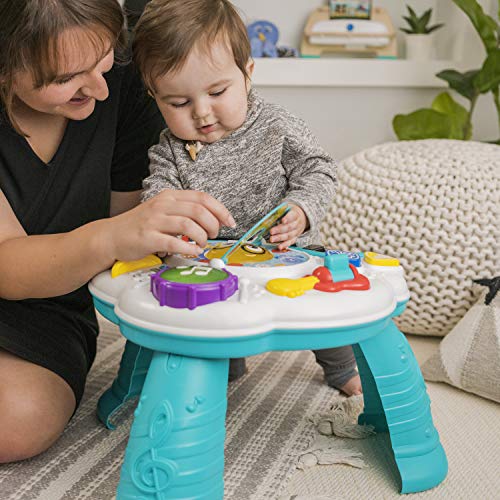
(96, 86)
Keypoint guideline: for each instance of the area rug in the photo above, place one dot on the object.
(267, 426)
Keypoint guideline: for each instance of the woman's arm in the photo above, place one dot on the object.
(48, 265)
(51, 265)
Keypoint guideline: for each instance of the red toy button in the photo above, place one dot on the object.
(326, 284)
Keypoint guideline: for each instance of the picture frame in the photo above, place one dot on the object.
(350, 9)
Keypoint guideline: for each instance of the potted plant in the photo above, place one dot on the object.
(419, 42)
(447, 118)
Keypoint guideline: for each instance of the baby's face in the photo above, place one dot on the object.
(206, 99)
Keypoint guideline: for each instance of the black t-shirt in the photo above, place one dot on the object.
(103, 153)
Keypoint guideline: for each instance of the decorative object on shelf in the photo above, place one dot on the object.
(367, 37)
(351, 9)
(432, 203)
(446, 118)
(264, 37)
(419, 38)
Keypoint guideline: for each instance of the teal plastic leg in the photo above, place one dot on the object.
(127, 384)
(393, 385)
(373, 413)
(176, 444)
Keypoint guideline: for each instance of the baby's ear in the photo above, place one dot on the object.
(250, 67)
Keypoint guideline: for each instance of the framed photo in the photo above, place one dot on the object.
(351, 9)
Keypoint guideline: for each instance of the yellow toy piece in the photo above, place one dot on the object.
(291, 287)
(377, 259)
(245, 254)
(122, 267)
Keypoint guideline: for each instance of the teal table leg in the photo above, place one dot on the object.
(395, 392)
(176, 444)
(373, 412)
(127, 384)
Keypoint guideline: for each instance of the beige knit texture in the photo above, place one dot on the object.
(434, 204)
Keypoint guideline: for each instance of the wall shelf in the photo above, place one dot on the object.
(330, 72)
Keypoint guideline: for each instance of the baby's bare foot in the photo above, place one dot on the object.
(352, 387)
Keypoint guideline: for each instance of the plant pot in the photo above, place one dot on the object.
(420, 47)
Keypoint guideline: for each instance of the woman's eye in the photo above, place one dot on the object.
(215, 94)
(179, 104)
(62, 81)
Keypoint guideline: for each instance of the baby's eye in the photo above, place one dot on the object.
(220, 92)
(178, 104)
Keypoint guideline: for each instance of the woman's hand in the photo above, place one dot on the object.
(153, 226)
(293, 224)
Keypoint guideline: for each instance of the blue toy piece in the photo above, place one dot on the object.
(263, 37)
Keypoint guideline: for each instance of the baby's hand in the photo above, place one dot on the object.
(293, 224)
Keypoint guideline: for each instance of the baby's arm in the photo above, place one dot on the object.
(311, 174)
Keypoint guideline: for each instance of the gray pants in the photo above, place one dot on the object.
(338, 364)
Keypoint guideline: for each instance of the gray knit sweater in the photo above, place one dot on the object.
(271, 158)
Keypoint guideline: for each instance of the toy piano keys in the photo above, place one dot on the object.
(375, 36)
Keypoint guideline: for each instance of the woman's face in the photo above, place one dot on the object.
(79, 83)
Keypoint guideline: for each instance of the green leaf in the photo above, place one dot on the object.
(488, 77)
(411, 23)
(486, 26)
(434, 28)
(420, 30)
(458, 115)
(413, 14)
(426, 17)
(422, 124)
(463, 83)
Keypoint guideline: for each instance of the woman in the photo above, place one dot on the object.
(75, 127)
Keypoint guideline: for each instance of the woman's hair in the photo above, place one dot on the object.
(29, 33)
(168, 30)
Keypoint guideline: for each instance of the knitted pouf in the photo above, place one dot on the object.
(434, 204)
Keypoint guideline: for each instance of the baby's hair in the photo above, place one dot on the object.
(29, 32)
(169, 30)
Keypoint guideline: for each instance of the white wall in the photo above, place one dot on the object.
(347, 120)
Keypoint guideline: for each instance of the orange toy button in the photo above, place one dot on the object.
(377, 259)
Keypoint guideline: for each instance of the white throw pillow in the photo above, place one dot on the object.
(469, 356)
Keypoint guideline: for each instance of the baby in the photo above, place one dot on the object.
(225, 140)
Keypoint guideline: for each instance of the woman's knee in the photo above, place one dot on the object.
(26, 427)
(35, 407)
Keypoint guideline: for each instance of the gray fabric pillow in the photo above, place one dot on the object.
(469, 356)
